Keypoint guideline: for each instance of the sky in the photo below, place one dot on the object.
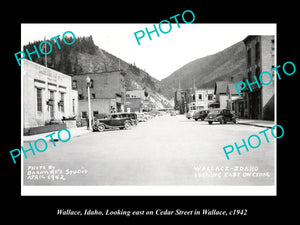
(162, 55)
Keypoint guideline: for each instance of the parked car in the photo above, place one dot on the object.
(190, 114)
(147, 116)
(200, 115)
(222, 116)
(114, 120)
(141, 117)
(133, 118)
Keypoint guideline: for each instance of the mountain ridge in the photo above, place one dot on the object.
(85, 57)
(228, 64)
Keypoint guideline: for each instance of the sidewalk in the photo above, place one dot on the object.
(257, 123)
(75, 132)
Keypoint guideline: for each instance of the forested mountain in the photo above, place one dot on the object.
(85, 57)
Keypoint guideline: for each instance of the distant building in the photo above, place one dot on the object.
(232, 95)
(180, 101)
(260, 57)
(136, 94)
(47, 95)
(107, 91)
(135, 101)
(200, 99)
(221, 94)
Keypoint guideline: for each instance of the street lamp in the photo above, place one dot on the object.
(88, 81)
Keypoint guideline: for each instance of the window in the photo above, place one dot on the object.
(73, 105)
(83, 115)
(52, 105)
(210, 97)
(52, 95)
(93, 95)
(74, 84)
(39, 99)
(249, 57)
(115, 116)
(62, 104)
(80, 96)
(249, 75)
(95, 113)
(200, 96)
(257, 52)
(257, 71)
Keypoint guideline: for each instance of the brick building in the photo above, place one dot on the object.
(135, 100)
(260, 57)
(107, 91)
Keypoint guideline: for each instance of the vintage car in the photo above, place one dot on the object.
(200, 115)
(221, 115)
(133, 118)
(190, 114)
(114, 120)
(141, 117)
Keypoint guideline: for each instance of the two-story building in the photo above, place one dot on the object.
(107, 92)
(200, 99)
(260, 57)
(135, 101)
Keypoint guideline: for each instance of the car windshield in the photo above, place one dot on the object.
(215, 112)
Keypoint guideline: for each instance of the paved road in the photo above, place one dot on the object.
(163, 151)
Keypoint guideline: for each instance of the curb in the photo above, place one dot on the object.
(49, 139)
(256, 125)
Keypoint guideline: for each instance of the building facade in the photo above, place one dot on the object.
(47, 95)
(135, 101)
(107, 93)
(180, 101)
(260, 57)
(221, 94)
(200, 99)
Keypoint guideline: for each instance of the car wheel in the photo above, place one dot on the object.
(210, 122)
(196, 119)
(101, 128)
(127, 125)
(222, 121)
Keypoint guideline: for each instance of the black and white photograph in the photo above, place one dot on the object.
(162, 113)
(149, 109)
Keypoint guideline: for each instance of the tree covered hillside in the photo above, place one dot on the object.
(85, 57)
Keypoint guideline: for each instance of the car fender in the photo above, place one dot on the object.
(219, 117)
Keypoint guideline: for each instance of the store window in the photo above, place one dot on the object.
(39, 99)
